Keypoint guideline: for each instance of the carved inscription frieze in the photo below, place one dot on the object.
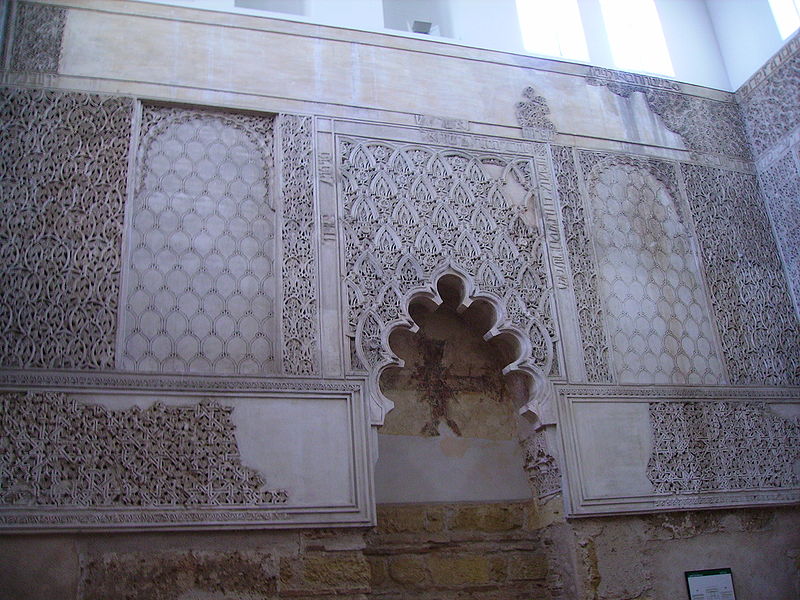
(655, 306)
(582, 265)
(721, 446)
(63, 159)
(37, 33)
(200, 274)
(57, 452)
(410, 209)
(300, 306)
(758, 327)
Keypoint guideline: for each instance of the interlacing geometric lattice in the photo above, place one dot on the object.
(55, 451)
(758, 327)
(200, 285)
(655, 305)
(409, 209)
(582, 264)
(721, 446)
(299, 270)
(63, 165)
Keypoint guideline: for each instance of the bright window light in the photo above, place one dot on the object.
(636, 37)
(553, 28)
(787, 16)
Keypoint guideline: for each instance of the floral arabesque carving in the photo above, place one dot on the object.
(38, 30)
(533, 116)
(414, 213)
(721, 446)
(299, 270)
(63, 165)
(541, 465)
(582, 264)
(780, 184)
(57, 452)
(758, 327)
(706, 126)
(648, 278)
(200, 283)
(772, 109)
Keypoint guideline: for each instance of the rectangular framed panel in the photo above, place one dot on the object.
(111, 451)
(633, 449)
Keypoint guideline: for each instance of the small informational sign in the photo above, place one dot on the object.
(711, 584)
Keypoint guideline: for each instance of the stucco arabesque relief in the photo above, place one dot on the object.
(37, 33)
(712, 130)
(414, 214)
(58, 452)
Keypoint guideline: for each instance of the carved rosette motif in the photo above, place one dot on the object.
(200, 283)
(57, 452)
(411, 211)
(582, 264)
(533, 116)
(63, 163)
(38, 30)
(721, 446)
(758, 327)
(648, 277)
(299, 271)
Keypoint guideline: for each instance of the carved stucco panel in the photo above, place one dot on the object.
(772, 109)
(758, 327)
(63, 164)
(37, 34)
(300, 302)
(721, 446)
(58, 452)
(780, 184)
(583, 267)
(410, 210)
(200, 281)
(655, 307)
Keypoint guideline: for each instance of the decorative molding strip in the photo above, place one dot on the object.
(441, 122)
(22, 379)
(607, 77)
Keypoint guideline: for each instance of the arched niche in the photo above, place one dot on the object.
(487, 312)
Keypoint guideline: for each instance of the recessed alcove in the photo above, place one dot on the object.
(453, 434)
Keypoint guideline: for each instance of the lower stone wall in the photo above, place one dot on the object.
(443, 551)
(305, 565)
(480, 551)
